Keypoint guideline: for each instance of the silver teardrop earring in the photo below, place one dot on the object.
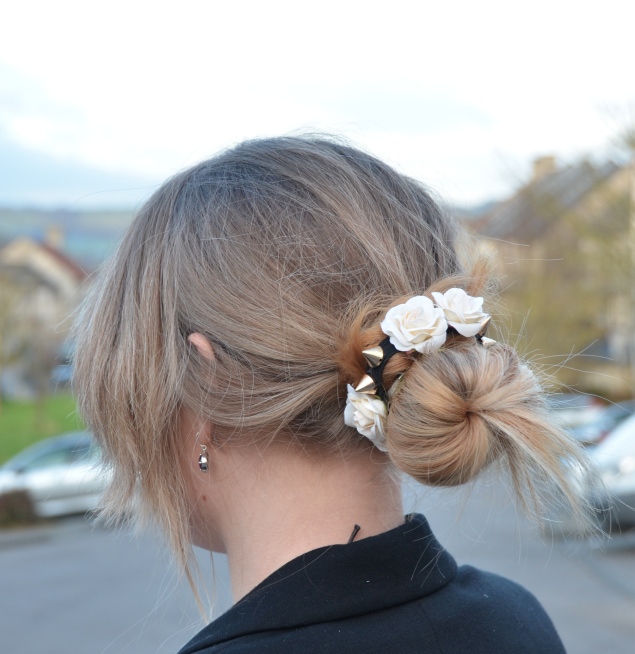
(202, 459)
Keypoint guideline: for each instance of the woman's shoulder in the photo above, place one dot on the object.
(484, 612)
(396, 592)
(476, 613)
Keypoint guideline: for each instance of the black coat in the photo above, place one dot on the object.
(398, 592)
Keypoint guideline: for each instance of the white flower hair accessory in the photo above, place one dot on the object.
(462, 311)
(418, 325)
(367, 413)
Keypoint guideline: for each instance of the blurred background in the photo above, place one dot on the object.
(521, 118)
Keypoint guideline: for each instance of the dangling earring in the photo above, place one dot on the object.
(202, 459)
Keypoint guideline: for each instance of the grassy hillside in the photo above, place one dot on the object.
(24, 423)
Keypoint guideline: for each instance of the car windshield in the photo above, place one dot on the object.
(619, 443)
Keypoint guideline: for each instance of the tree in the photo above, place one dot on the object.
(566, 244)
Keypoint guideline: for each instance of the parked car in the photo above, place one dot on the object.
(61, 475)
(614, 458)
(597, 430)
(572, 410)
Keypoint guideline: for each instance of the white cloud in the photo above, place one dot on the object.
(448, 91)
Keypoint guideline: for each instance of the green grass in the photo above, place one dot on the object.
(24, 423)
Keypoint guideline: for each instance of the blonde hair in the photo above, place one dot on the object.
(285, 253)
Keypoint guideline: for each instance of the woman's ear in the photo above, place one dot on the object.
(203, 346)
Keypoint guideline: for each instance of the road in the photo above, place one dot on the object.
(72, 588)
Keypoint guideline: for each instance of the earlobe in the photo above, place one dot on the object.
(203, 346)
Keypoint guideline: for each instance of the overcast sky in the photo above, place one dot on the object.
(101, 101)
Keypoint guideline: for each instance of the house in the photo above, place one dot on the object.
(40, 287)
(565, 250)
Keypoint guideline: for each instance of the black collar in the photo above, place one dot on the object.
(339, 581)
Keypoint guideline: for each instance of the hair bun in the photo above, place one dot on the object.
(459, 409)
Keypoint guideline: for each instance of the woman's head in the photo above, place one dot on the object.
(284, 254)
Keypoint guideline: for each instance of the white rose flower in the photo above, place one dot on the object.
(367, 413)
(462, 311)
(416, 325)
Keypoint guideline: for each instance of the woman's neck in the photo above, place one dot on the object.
(274, 507)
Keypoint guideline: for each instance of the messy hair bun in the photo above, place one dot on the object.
(459, 409)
